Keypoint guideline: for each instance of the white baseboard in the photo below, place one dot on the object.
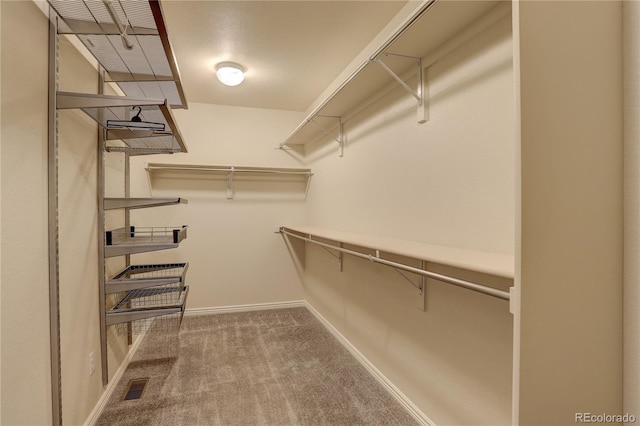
(245, 308)
(111, 386)
(377, 374)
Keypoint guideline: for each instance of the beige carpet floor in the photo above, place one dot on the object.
(275, 367)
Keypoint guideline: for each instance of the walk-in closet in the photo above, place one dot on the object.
(395, 212)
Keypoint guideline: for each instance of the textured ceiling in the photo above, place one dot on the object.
(291, 50)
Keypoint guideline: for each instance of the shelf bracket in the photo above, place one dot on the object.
(338, 256)
(420, 284)
(419, 93)
(230, 183)
(422, 300)
(340, 138)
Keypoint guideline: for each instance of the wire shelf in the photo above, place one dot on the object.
(134, 239)
(138, 150)
(141, 306)
(108, 109)
(154, 297)
(147, 67)
(142, 276)
(153, 271)
(146, 235)
(166, 324)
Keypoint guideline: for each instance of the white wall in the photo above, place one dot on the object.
(25, 363)
(78, 229)
(234, 255)
(449, 181)
(631, 373)
(26, 396)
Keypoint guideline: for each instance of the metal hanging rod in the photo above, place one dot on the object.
(480, 288)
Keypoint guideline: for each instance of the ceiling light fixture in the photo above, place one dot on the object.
(230, 73)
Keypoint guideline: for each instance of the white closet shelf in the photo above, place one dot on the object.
(496, 264)
(231, 171)
(195, 168)
(129, 39)
(420, 36)
(158, 132)
(140, 203)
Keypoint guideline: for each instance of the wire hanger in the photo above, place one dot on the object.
(136, 122)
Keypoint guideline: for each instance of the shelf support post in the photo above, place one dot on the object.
(100, 183)
(419, 93)
(53, 234)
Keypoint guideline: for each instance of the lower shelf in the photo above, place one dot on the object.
(136, 277)
(149, 303)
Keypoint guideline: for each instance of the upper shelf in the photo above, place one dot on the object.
(158, 167)
(422, 36)
(129, 39)
(230, 171)
(156, 133)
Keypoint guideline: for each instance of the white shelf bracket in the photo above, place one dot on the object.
(420, 284)
(422, 301)
(340, 138)
(337, 256)
(230, 184)
(419, 93)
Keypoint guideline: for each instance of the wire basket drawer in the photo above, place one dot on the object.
(143, 307)
(131, 240)
(141, 276)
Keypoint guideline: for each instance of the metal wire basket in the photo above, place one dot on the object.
(166, 324)
(141, 276)
(158, 308)
(146, 235)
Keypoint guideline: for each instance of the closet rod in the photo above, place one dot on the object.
(501, 294)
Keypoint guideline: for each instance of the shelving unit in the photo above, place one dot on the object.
(146, 70)
(230, 171)
(434, 29)
(130, 43)
(163, 138)
(494, 264)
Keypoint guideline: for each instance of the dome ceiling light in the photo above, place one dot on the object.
(230, 73)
